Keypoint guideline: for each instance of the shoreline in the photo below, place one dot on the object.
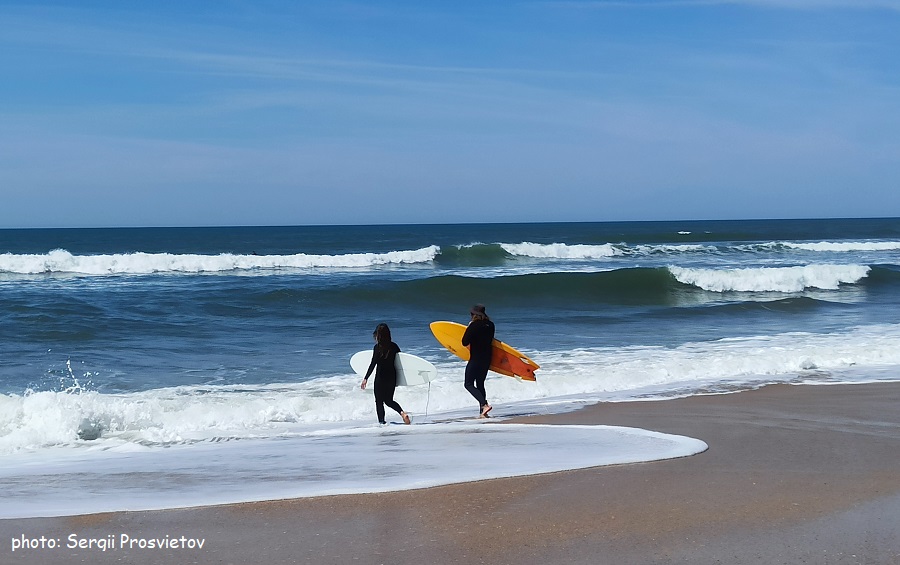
(793, 473)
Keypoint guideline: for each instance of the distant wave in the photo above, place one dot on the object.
(61, 261)
(821, 246)
(632, 286)
(847, 246)
(498, 251)
(471, 255)
(580, 251)
(636, 285)
(492, 254)
(561, 250)
(772, 279)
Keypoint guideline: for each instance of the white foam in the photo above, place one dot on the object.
(561, 250)
(61, 261)
(140, 263)
(844, 246)
(672, 249)
(157, 418)
(205, 445)
(771, 279)
(342, 461)
(607, 250)
(604, 251)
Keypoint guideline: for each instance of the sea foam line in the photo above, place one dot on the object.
(607, 250)
(845, 246)
(159, 418)
(561, 250)
(62, 261)
(604, 251)
(771, 279)
(137, 263)
(369, 459)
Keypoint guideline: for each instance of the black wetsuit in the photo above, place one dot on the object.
(385, 379)
(479, 336)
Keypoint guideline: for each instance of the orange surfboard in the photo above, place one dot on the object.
(505, 359)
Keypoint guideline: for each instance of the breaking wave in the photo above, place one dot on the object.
(772, 279)
(61, 261)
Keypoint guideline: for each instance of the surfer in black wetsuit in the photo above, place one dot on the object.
(384, 357)
(479, 338)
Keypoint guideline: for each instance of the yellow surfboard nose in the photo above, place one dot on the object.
(505, 360)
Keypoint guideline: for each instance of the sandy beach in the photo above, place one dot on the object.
(793, 474)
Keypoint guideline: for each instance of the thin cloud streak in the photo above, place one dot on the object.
(605, 111)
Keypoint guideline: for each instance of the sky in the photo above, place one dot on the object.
(270, 112)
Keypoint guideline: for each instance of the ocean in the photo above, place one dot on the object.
(164, 367)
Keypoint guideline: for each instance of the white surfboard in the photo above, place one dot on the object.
(411, 370)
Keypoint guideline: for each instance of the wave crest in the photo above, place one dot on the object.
(61, 261)
(771, 279)
(561, 250)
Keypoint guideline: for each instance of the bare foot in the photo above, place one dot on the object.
(406, 419)
(485, 409)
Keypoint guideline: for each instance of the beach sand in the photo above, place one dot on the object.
(793, 474)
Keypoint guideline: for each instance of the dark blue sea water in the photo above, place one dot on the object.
(148, 338)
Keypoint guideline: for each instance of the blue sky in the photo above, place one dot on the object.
(172, 113)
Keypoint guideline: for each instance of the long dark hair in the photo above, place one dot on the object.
(478, 312)
(383, 340)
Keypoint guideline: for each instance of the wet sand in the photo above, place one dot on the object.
(793, 474)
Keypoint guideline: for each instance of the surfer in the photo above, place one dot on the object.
(479, 338)
(384, 356)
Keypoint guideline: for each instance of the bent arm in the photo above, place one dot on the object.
(467, 336)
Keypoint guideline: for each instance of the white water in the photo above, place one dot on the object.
(79, 419)
(845, 246)
(203, 445)
(561, 250)
(772, 279)
(330, 461)
(139, 263)
(61, 261)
